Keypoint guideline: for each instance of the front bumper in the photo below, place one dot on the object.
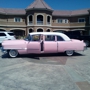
(3, 50)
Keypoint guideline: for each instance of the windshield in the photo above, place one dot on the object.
(28, 38)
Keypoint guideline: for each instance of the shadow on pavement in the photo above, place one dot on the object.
(37, 56)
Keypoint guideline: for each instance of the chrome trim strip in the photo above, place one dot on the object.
(21, 49)
(33, 49)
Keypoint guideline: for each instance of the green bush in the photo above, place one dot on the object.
(20, 37)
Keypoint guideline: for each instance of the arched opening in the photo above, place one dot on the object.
(18, 33)
(39, 30)
(30, 19)
(30, 30)
(48, 30)
(2, 30)
(48, 19)
(40, 20)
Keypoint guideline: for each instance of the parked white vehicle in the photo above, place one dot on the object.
(6, 36)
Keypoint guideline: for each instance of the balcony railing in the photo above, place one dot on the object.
(11, 23)
(78, 24)
(30, 22)
(74, 24)
(48, 23)
(39, 22)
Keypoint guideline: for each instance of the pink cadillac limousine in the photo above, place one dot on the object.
(43, 42)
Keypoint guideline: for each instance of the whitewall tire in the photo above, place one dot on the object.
(69, 52)
(13, 53)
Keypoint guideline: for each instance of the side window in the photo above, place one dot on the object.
(49, 38)
(59, 38)
(2, 34)
(17, 19)
(35, 37)
(28, 37)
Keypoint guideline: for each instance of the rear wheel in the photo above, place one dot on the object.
(13, 53)
(69, 52)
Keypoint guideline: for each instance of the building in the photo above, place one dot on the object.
(40, 17)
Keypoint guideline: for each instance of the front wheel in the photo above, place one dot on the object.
(69, 52)
(13, 53)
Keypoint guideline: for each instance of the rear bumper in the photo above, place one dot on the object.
(85, 48)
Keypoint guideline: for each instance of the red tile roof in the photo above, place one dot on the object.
(61, 13)
(70, 13)
(39, 4)
(2, 11)
(80, 12)
(55, 12)
(12, 11)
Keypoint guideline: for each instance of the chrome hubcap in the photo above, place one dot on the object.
(69, 52)
(13, 53)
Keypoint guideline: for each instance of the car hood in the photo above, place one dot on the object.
(14, 42)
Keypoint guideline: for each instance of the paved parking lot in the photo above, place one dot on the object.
(45, 72)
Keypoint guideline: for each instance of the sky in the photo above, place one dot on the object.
(54, 4)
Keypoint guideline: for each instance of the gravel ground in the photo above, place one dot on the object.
(45, 72)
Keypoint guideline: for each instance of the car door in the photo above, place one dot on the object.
(33, 45)
(63, 45)
(50, 44)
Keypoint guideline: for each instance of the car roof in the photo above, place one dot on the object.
(65, 37)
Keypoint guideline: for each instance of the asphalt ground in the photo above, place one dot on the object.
(45, 72)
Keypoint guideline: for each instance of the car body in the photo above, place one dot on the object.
(43, 42)
(6, 36)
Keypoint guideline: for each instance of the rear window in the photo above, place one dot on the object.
(11, 34)
(59, 38)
